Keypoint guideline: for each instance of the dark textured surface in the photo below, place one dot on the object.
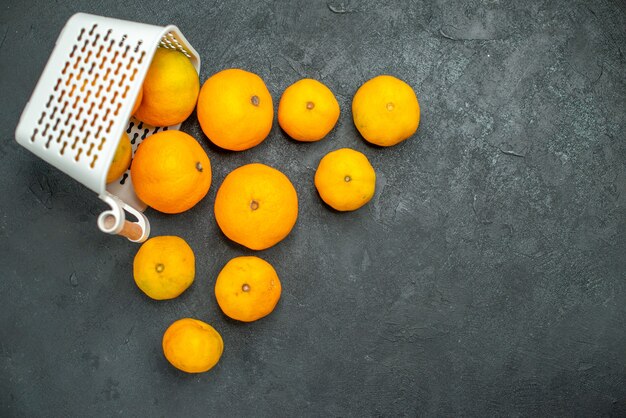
(485, 278)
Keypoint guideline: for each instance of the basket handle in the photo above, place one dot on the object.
(130, 230)
(114, 221)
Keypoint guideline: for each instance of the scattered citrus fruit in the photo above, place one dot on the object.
(256, 206)
(137, 101)
(164, 267)
(171, 172)
(308, 110)
(345, 179)
(385, 110)
(121, 159)
(247, 288)
(192, 346)
(170, 89)
(235, 109)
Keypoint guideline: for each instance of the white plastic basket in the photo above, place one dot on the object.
(82, 103)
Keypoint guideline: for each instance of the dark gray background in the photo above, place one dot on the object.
(486, 277)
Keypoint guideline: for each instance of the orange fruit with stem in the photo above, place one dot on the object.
(164, 267)
(308, 110)
(235, 109)
(385, 110)
(247, 288)
(171, 172)
(345, 179)
(256, 206)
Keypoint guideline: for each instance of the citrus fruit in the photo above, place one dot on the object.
(345, 179)
(235, 109)
(385, 110)
(164, 267)
(308, 110)
(137, 101)
(256, 206)
(170, 89)
(121, 159)
(247, 288)
(171, 172)
(192, 346)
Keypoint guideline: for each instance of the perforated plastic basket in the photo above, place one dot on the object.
(82, 103)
